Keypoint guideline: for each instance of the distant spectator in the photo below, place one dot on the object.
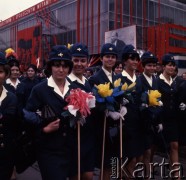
(184, 75)
(159, 69)
(118, 67)
(88, 72)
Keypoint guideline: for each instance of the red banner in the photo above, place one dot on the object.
(29, 46)
(30, 10)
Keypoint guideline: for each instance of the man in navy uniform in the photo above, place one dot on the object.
(54, 140)
(151, 116)
(80, 54)
(133, 138)
(109, 56)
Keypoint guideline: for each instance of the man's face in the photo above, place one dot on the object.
(150, 69)
(80, 64)
(109, 61)
(113, 37)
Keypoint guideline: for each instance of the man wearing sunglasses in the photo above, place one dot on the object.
(133, 145)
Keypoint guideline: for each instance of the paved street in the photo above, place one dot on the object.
(33, 173)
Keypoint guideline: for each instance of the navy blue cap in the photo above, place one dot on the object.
(129, 51)
(79, 50)
(59, 52)
(167, 58)
(2, 59)
(109, 48)
(148, 57)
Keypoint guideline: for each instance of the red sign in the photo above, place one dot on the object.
(29, 46)
(28, 11)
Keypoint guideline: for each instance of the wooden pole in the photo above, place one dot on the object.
(103, 145)
(79, 172)
(121, 145)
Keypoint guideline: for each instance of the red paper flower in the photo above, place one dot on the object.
(81, 101)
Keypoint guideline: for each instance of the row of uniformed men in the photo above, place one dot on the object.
(56, 141)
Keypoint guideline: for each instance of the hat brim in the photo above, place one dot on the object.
(79, 55)
(149, 60)
(109, 53)
(59, 59)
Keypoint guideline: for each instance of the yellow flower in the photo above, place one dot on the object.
(131, 86)
(124, 87)
(153, 97)
(9, 50)
(104, 89)
(117, 82)
(69, 45)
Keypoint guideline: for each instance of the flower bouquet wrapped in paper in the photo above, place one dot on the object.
(78, 108)
(79, 105)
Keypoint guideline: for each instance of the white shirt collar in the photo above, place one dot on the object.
(108, 74)
(149, 79)
(8, 81)
(163, 78)
(133, 79)
(75, 78)
(52, 83)
(3, 95)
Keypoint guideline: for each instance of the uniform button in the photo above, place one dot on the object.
(1, 135)
(64, 134)
(1, 125)
(2, 145)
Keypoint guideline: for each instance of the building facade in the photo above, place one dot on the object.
(34, 31)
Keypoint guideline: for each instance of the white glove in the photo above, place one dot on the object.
(123, 111)
(182, 106)
(38, 112)
(115, 115)
(125, 101)
(159, 128)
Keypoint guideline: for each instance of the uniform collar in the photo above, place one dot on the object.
(165, 80)
(8, 81)
(149, 79)
(52, 83)
(107, 72)
(75, 78)
(3, 95)
(133, 79)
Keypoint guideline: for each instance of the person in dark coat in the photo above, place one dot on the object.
(30, 80)
(167, 88)
(133, 137)
(118, 43)
(8, 110)
(13, 84)
(150, 115)
(104, 75)
(54, 135)
(182, 112)
(80, 56)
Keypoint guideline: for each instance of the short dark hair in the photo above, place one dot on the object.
(51, 63)
(34, 67)
(6, 68)
(118, 62)
(164, 63)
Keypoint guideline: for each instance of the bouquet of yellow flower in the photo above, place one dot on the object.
(106, 95)
(151, 98)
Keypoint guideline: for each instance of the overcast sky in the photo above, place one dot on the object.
(9, 8)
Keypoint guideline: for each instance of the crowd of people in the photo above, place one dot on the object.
(145, 128)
